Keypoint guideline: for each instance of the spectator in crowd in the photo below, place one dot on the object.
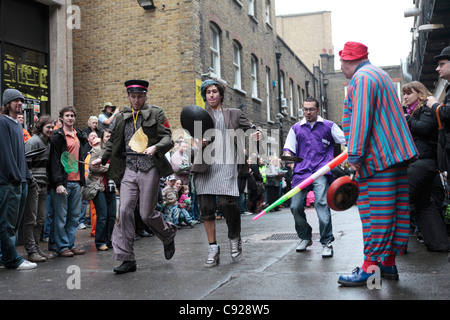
(170, 198)
(180, 162)
(66, 187)
(273, 176)
(105, 201)
(14, 178)
(35, 209)
(107, 118)
(423, 171)
(92, 126)
(243, 185)
(26, 134)
(184, 202)
(258, 170)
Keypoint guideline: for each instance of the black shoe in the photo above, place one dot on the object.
(169, 250)
(126, 266)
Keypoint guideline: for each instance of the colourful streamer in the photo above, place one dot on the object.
(326, 168)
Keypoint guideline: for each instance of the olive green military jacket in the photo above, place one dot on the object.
(155, 126)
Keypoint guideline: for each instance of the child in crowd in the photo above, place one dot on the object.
(170, 198)
(183, 205)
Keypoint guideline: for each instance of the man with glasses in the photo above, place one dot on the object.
(313, 140)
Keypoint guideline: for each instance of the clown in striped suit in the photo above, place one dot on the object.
(379, 147)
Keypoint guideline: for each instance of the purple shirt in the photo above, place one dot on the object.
(315, 145)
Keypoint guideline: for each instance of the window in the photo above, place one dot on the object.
(254, 75)
(268, 12)
(215, 50)
(251, 8)
(283, 100)
(268, 86)
(291, 98)
(237, 65)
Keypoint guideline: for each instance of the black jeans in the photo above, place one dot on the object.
(421, 175)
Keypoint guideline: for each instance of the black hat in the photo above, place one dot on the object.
(191, 116)
(136, 85)
(445, 54)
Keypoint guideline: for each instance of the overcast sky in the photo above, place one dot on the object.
(380, 25)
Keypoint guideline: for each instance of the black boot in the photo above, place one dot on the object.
(169, 250)
(126, 266)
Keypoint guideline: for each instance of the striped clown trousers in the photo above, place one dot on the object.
(383, 205)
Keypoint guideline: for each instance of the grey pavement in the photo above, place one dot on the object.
(270, 268)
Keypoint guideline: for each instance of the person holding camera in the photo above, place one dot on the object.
(105, 201)
(107, 118)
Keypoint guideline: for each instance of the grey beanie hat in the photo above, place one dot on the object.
(10, 95)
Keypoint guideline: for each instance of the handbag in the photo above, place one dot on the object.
(90, 190)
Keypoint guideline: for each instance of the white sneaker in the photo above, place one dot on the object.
(81, 226)
(327, 250)
(26, 265)
(213, 258)
(303, 244)
(236, 248)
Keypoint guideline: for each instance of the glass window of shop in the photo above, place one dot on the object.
(24, 46)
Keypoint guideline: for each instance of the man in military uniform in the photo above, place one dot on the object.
(137, 173)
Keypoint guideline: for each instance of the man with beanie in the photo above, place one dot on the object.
(14, 174)
(379, 146)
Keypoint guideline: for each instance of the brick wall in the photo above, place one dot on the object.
(170, 48)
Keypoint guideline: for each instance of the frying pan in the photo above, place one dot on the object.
(291, 159)
(194, 115)
(343, 193)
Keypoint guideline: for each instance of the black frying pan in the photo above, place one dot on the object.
(291, 159)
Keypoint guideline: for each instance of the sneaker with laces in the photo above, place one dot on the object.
(236, 248)
(213, 258)
(26, 265)
(303, 244)
(327, 250)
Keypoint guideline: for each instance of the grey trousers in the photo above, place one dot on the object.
(142, 186)
(34, 217)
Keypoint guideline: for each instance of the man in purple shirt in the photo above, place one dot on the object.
(313, 140)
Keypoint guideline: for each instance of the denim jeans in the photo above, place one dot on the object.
(304, 230)
(12, 204)
(105, 207)
(195, 211)
(242, 202)
(66, 214)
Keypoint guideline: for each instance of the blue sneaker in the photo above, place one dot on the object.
(388, 272)
(358, 277)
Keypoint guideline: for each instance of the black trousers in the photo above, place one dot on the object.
(421, 175)
(228, 204)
